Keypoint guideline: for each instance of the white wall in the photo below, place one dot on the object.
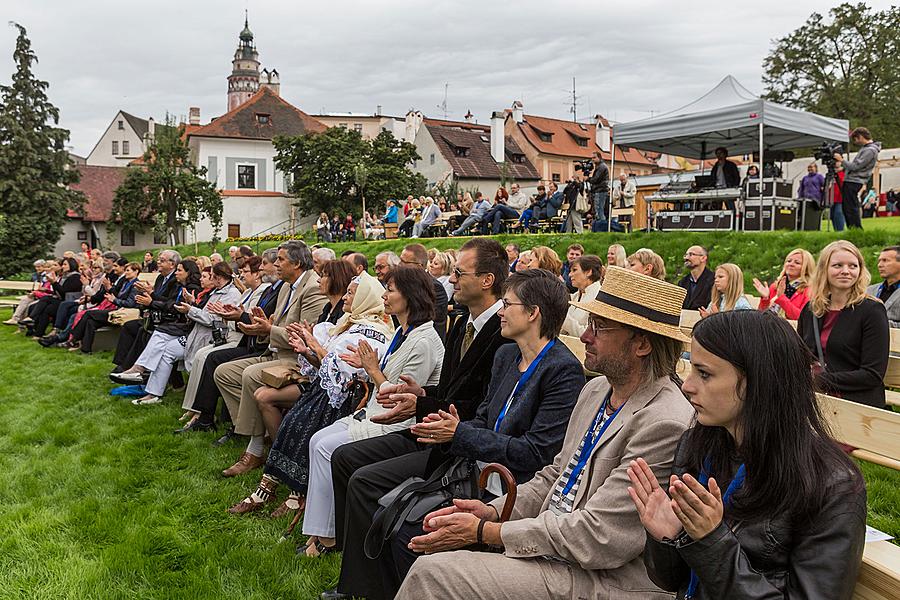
(426, 147)
(70, 241)
(222, 149)
(253, 214)
(102, 152)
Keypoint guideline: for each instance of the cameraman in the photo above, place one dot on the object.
(857, 172)
(599, 186)
(574, 195)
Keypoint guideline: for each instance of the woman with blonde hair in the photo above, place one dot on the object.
(646, 262)
(728, 291)
(545, 258)
(616, 256)
(439, 266)
(790, 292)
(846, 330)
(526, 261)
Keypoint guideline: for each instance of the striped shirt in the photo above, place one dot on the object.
(563, 503)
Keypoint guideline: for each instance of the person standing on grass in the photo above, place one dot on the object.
(857, 173)
(761, 502)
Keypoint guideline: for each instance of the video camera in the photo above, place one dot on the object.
(826, 153)
(587, 166)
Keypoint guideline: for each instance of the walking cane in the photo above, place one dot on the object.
(509, 482)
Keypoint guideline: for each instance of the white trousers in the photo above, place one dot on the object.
(193, 383)
(318, 518)
(159, 357)
(574, 223)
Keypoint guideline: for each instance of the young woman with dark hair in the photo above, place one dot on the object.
(333, 282)
(762, 503)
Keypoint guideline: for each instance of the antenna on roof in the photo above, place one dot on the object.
(443, 105)
(574, 108)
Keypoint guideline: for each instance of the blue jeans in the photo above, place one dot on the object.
(600, 201)
(496, 216)
(837, 217)
(526, 217)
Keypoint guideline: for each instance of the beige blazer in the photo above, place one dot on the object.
(306, 304)
(602, 539)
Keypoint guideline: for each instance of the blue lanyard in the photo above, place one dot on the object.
(180, 292)
(127, 288)
(523, 379)
(395, 343)
(590, 442)
(272, 292)
(735, 484)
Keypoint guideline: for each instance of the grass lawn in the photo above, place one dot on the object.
(99, 500)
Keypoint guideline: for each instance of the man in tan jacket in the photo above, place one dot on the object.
(299, 300)
(573, 532)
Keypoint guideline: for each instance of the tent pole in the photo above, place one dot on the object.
(762, 176)
(612, 176)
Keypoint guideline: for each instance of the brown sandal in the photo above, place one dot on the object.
(267, 489)
(285, 508)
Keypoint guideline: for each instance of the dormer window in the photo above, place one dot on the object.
(545, 137)
(460, 151)
(263, 118)
(581, 141)
(518, 158)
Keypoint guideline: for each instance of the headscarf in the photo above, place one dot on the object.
(367, 309)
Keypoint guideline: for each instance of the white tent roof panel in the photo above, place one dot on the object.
(729, 115)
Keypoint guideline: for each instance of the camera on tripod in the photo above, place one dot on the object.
(587, 166)
(826, 153)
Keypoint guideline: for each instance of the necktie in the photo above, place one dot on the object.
(467, 339)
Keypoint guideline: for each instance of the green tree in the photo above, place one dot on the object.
(166, 191)
(325, 167)
(846, 66)
(35, 169)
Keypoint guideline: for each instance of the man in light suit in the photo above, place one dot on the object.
(299, 300)
(886, 291)
(575, 512)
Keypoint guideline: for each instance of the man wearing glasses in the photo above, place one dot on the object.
(699, 280)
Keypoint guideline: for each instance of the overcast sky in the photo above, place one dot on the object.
(629, 58)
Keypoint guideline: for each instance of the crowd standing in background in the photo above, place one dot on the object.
(375, 394)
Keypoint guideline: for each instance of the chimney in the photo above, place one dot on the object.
(498, 137)
(194, 115)
(413, 122)
(518, 111)
(604, 133)
(151, 127)
(470, 118)
(378, 111)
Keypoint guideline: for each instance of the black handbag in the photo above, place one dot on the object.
(410, 501)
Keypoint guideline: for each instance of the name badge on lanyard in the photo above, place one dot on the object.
(395, 343)
(590, 442)
(520, 385)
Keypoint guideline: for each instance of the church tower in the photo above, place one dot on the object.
(244, 79)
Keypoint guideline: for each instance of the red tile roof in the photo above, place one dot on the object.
(478, 163)
(459, 124)
(99, 185)
(242, 122)
(564, 140)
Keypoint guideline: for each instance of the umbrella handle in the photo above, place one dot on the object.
(509, 482)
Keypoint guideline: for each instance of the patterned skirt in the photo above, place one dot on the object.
(289, 457)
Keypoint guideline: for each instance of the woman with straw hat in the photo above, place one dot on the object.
(573, 533)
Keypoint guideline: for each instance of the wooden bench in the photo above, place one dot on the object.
(627, 213)
(390, 231)
(19, 286)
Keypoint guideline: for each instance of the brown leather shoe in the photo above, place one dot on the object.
(247, 462)
(247, 505)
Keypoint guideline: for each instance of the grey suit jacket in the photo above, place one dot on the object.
(602, 539)
(892, 306)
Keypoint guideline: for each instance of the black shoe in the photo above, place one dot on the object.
(229, 433)
(48, 340)
(196, 426)
(176, 380)
(334, 595)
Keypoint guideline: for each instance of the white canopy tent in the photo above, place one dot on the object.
(729, 115)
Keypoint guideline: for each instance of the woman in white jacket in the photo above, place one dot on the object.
(416, 351)
(586, 273)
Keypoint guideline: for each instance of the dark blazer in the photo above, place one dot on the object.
(464, 383)
(775, 557)
(440, 309)
(267, 302)
(125, 293)
(856, 356)
(732, 174)
(164, 293)
(701, 293)
(535, 425)
(176, 323)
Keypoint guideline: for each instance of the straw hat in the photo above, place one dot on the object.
(639, 301)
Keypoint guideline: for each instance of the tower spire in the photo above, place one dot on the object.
(244, 79)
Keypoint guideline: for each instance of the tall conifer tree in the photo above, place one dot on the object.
(35, 169)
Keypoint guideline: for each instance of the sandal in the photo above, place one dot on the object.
(266, 494)
(291, 504)
(189, 416)
(321, 548)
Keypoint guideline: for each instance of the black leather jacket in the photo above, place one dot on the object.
(775, 558)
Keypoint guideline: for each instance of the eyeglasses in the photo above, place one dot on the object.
(411, 262)
(597, 327)
(692, 254)
(457, 273)
(507, 303)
